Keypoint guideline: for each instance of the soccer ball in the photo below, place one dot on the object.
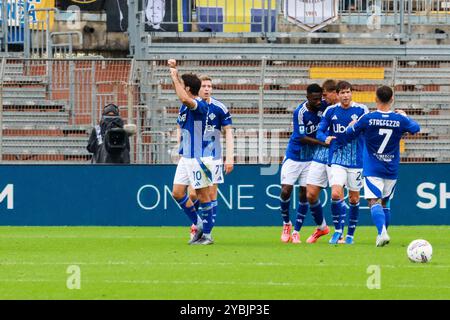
(420, 251)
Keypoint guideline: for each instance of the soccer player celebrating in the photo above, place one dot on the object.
(318, 175)
(382, 131)
(191, 169)
(217, 119)
(299, 154)
(345, 158)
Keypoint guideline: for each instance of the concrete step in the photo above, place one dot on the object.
(24, 93)
(38, 104)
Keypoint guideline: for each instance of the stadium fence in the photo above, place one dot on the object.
(49, 106)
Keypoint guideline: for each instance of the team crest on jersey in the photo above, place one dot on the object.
(212, 116)
(182, 118)
(302, 130)
(354, 117)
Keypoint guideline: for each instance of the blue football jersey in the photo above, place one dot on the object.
(192, 123)
(335, 121)
(305, 124)
(321, 153)
(382, 132)
(217, 117)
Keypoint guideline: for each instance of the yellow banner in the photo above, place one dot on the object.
(237, 16)
(38, 20)
(346, 73)
(363, 96)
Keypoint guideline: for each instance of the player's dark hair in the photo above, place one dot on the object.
(193, 82)
(343, 85)
(384, 94)
(329, 85)
(314, 88)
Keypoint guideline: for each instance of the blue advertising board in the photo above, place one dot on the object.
(140, 195)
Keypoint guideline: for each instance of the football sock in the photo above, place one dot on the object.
(284, 207)
(301, 214)
(378, 217)
(196, 204)
(336, 211)
(343, 215)
(214, 212)
(387, 216)
(317, 213)
(190, 211)
(353, 219)
(206, 212)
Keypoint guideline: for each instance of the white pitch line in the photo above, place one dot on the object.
(226, 283)
(85, 237)
(252, 264)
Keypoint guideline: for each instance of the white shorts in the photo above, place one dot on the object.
(350, 177)
(319, 174)
(216, 167)
(291, 171)
(194, 172)
(379, 188)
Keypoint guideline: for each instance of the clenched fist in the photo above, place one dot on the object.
(172, 63)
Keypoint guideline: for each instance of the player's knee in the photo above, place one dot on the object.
(285, 193)
(203, 196)
(177, 194)
(302, 194)
(311, 196)
(354, 198)
(373, 202)
(337, 192)
(335, 195)
(192, 195)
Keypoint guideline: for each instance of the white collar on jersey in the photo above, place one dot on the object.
(390, 111)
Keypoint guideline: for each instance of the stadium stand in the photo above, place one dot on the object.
(424, 93)
(49, 105)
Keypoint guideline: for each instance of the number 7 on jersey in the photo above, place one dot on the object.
(388, 133)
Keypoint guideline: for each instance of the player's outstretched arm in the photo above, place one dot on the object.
(411, 126)
(312, 141)
(355, 128)
(323, 128)
(179, 89)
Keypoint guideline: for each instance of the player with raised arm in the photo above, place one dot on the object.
(191, 169)
(381, 130)
(218, 119)
(299, 154)
(345, 158)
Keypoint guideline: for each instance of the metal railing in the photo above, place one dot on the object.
(49, 106)
(36, 36)
(262, 94)
(274, 20)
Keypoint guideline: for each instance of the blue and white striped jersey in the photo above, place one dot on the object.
(305, 124)
(335, 121)
(321, 153)
(192, 123)
(217, 117)
(382, 132)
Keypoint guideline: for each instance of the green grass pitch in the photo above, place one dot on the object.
(244, 263)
